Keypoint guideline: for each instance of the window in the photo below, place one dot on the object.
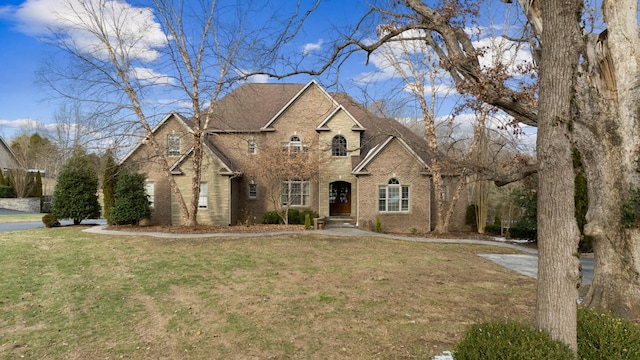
(203, 202)
(150, 189)
(253, 191)
(393, 197)
(339, 146)
(173, 145)
(295, 193)
(252, 147)
(444, 194)
(295, 146)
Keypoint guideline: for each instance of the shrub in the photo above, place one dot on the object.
(518, 231)
(6, 191)
(492, 229)
(604, 336)
(509, 340)
(293, 217)
(378, 226)
(131, 201)
(470, 217)
(50, 220)
(75, 196)
(271, 217)
(312, 214)
(307, 221)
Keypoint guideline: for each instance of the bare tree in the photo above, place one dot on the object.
(286, 174)
(194, 51)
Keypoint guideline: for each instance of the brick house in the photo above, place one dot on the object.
(372, 168)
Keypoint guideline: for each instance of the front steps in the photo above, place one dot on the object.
(339, 222)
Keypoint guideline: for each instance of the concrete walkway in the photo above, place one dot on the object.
(525, 264)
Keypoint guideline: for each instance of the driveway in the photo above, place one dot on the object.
(26, 225)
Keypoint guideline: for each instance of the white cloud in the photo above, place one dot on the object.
(139, 35)
(21, 123)
(256, 79)
(150, 77)
(308, 48)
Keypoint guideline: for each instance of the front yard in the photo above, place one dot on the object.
(68, 294)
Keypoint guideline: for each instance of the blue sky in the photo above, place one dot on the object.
(23, 102)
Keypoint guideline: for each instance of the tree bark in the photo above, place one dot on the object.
(558, 233)
(608, 138)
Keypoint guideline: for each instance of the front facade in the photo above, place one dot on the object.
(368, 168)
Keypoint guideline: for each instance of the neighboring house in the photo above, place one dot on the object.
(8, 159)
(373, 168)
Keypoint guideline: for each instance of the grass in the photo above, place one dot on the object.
(66, 294)
(20, 218)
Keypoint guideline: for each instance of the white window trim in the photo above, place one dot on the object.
(255, 191)
(150, 190)
(173, 140)
(203, 200)
(404, 203)
(333, 147)
(252, 147)
(305, 193)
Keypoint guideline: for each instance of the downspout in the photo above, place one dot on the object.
(357, 201)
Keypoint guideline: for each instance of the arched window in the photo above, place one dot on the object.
(295, 145)
(393, 197)
(339, 146)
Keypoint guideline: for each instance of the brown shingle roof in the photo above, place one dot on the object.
(251, 106)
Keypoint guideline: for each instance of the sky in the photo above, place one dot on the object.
(25, 103)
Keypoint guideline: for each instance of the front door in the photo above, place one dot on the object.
(340, 198)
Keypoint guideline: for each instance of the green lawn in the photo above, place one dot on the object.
(66, 294)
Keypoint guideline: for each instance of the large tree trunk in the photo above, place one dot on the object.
(608, 138)
(558, 233)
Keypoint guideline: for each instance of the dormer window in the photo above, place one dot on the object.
(339, 146)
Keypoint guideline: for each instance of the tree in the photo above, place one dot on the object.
(75, 196)
(286, 173)
(193, 51)
(109, 180)
(603, 75)
(558, 233)
(131, 202)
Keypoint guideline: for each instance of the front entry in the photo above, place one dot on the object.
(339, 198)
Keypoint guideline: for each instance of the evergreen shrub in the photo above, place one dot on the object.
(50, 220)
(509, 340)
(604, 336)
(470, 217)
(6, 191)
(271, 217)
(293, 216)
(131, 201)
(307, 221)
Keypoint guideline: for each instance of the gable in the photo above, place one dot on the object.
(172, 123)
(344, 119)
(311, 103)
(393, 154)
(8, 159)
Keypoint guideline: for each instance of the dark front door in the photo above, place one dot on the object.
(340, 198)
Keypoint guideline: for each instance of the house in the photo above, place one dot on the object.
(8, 159)
(372, 167)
